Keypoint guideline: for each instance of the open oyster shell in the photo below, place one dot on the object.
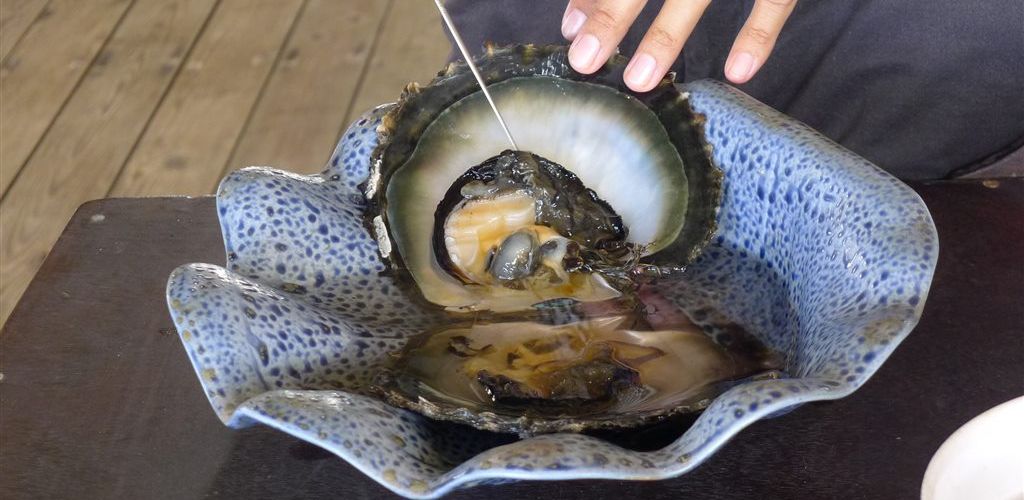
(530, 377)
(643, 157)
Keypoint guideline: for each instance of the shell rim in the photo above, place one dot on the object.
(551, 61)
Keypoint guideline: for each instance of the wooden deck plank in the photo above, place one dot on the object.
(192, 135)
(412, 48)
(39, 75)
(79, 157)
(296, 122)
(15, 18)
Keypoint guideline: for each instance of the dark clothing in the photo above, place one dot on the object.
(923, 88)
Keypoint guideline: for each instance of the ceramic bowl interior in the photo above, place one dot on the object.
(821, 255)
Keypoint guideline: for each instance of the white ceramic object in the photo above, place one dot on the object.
(984, 459)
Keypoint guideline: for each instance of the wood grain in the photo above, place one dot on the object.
(85, 147)
(191, 137)
(295, 124)
(38, 76)
(15, 18)
(412, 48)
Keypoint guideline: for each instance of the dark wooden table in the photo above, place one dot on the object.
(98, 399)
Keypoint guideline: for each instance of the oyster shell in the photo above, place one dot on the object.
(529, 377)
(609, 185)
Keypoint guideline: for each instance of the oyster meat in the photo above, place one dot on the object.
(608, 185)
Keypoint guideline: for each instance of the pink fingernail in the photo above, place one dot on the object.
(572, 22)
(640, 70)
(740, 67)
(583, 52)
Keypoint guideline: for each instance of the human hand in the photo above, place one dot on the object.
(597, 26)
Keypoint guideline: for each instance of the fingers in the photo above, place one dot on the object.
(597, 26)
(604, 24)
(573, 19)
(663, 42)
(756, 39)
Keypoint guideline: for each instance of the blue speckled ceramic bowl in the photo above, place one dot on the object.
(820, 254)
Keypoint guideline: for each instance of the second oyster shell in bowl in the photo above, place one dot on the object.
(607, 372)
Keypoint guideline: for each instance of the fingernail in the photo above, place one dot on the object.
(640, 70)
(572, 22)
(583, 51)
(740, 67)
